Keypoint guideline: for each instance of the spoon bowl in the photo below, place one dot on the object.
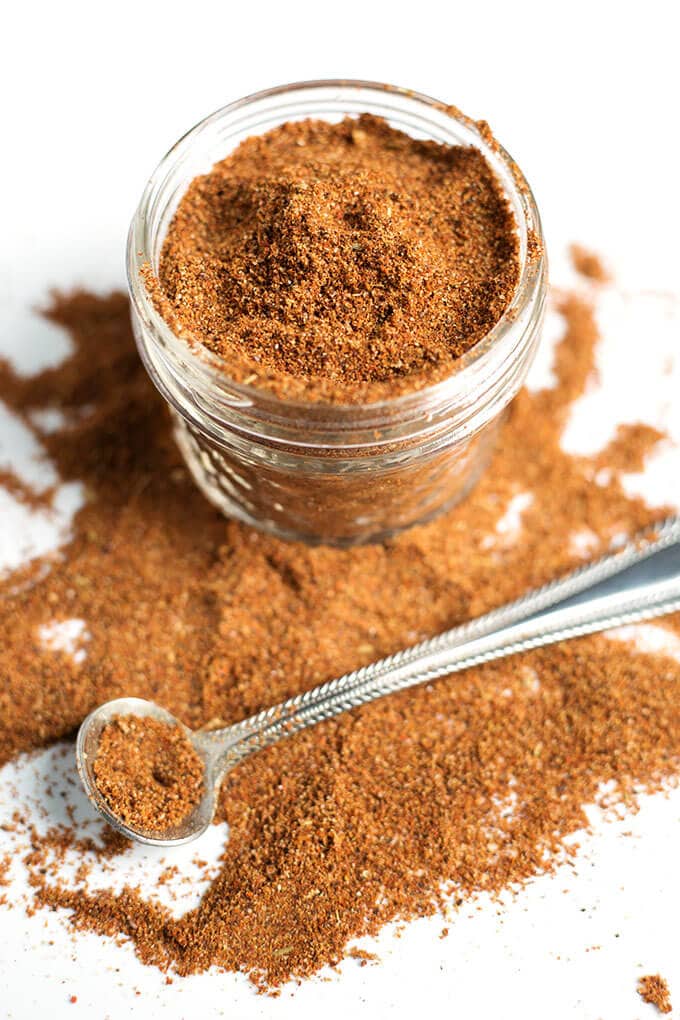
(87, 746)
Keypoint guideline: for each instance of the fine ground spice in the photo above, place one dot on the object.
(654, 989)
(339, 262)
(148, 772)
(471, 783)
(588, 263)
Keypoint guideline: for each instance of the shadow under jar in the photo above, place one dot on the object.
(329, 473)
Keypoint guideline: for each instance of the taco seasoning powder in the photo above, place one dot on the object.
(397, 810)
(334, 268)
(652, 988)
(148, 772)
(342, 263)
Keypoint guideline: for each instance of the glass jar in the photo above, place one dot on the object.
(327, 473)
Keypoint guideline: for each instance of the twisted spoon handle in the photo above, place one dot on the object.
(639, 582)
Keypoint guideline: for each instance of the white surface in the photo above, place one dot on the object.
(68, 636)
(584, 97)
(649, 637)
(30, 531)
(648, 392)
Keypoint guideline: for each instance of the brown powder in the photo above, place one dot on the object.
(340, 262)
(148, 772)
(5, 865)
(588, 264)
(363, 956)
(23, 492)
(378, 813)
(654, 989)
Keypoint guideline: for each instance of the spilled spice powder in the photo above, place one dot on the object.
(339, 262)
(588, 264)
(470, 783)
(654, 989)
(5, 865)
(148, 772)
(362, 955)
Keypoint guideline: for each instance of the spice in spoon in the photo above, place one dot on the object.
(148, 772)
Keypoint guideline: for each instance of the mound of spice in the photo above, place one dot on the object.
(654, 990)
(339, 262)
(399, 809)
(148, 772)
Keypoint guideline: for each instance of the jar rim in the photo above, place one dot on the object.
(528, 292)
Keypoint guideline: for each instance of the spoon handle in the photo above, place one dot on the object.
(638, 582)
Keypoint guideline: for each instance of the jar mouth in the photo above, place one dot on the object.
(426, 114)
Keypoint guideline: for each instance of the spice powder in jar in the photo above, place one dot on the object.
(338, 314)
(344, 262)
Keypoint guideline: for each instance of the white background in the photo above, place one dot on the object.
(584, 96)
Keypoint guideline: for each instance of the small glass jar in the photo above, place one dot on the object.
(328, 473)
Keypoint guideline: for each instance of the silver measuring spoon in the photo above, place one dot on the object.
(638, 582)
